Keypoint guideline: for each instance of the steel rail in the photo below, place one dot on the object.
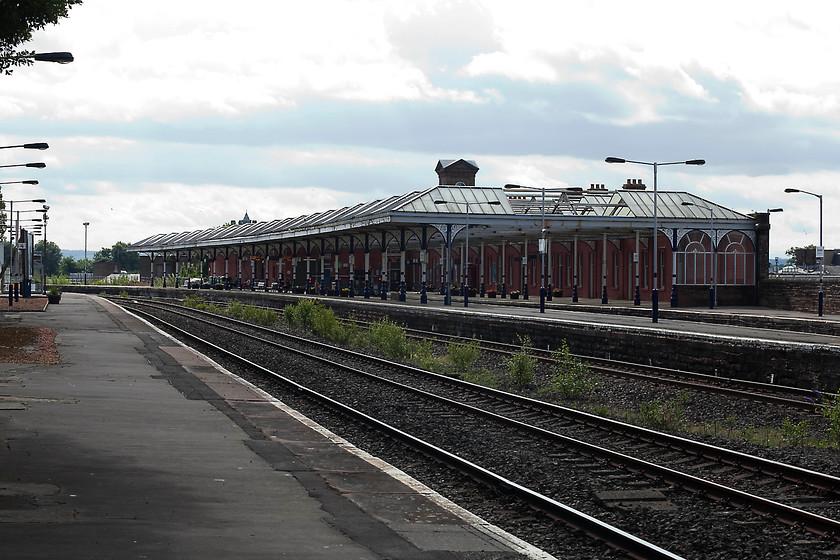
(612, 536)
(786, 514)
(820, 481)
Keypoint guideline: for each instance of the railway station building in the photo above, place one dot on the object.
(499, 241)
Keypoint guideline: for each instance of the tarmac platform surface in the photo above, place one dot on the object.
(134, 446)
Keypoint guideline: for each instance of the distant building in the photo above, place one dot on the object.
(807, 256)
(593, 242)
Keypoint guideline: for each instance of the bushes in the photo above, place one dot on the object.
(462, 356)
(302, 315)
(667, 416)
(570, 376)
(389, 338)
(831, 413)
(521, 367)
(249, 313)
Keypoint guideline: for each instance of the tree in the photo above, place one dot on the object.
(51, 257)
(103, 254)
(130, 262)
(19, 19)
(69, 265)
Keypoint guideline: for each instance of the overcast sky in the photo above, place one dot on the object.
(183, 115)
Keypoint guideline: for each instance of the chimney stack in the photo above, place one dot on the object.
(634, 185)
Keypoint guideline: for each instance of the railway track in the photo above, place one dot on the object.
(621, 479)
(793, 397)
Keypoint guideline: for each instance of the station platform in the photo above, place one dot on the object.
(133, 446)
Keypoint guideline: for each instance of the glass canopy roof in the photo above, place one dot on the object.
(493, 204)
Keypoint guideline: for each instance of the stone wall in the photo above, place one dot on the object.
(800, 294)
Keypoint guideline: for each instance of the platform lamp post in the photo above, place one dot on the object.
(820, 251)
(36, 165)
(35, 230)
(654, 296)
(713, 237)
(466, 249)
(11, 242)
(86, 224)
(29, 146)
(3, 252)
(44, 253)
(769, 211)
(27, 182)
(543, 291)
(22, 286)
(57, 57)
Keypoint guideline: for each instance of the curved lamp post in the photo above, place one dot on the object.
(28, 57)
(57, 57)
(654, 295)
(820, 251)
(38, 165)
(30, 146)
(27, 182)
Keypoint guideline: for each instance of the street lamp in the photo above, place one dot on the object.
(713, 237)
(38, 165)
(820, 251)
(57, 57)
(448, 299)
(86, 224)
(27, 182)
(30, 146)
(654, 296)
(542, 256)
(28, 57)
(44, 252)
(12, 251)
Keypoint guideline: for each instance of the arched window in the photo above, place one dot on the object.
(736, 259)
(694, 258)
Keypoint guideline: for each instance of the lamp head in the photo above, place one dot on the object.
(59, 57)
(791, 190)
(615, 160)
(696, 162)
